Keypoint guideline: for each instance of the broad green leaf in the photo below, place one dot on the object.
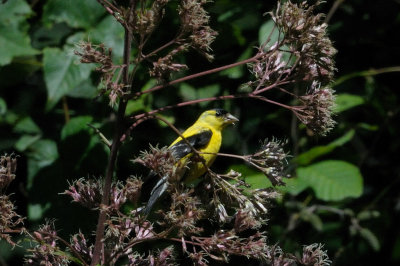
(86, 90)
(136, 105)
(40, 154)
(107, 31)
(53, 35)
(62, 73)
(332, 180)
(25, 141)
(265, 32)
(345, 101)
(75, 125)
(14, 38)
(307, 157)
(294, 186)
(27, 125)
(111, 34)
(44, 151)
(76, 13)
(252, 177)
(370, 238)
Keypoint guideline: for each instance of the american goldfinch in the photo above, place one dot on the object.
(205, 135)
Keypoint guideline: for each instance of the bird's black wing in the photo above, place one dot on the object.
(179, 150)
(197, 141)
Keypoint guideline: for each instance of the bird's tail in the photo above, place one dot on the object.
(156, 193)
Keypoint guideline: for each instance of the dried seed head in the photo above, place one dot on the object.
(317, 110)
(8, 166)
(306, 36)
(270, 159)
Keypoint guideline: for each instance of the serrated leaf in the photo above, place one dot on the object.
(14, 38)
(76, 13)
(75, 125)
(345, 101)
(370, 238)
(62, 73)
(332, 180)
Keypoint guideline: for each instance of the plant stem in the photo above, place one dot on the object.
(98, 247)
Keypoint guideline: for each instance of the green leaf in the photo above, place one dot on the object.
(26, 125)
(252, 177)
(25, 141)
(332, 180)
(76, 13)
(14, 38)
(307, 157)
(345, 101)
(189, 93)
(370, 238)
(111, 34)
(41, 154)
(294, 186)
(238, 71)
(313, 219)
(36, 211)
(62, 73)
(265, 32)
(75, 125)
(3, 106)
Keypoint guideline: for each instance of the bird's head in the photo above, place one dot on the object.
(217, 118)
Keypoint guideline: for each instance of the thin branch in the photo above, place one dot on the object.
(333, 10)
(200, 74)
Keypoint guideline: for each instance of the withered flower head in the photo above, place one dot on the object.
(9, 219)
(305, 34)
(195, 20)
(184, 213)
(88, 193)
(162, 162)
(317, 110)
(164, 66)
(46, 251)
(8, 166)
(314, 255)
(80, 245)
(270, 159)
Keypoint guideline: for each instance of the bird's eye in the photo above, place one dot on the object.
(220, 112)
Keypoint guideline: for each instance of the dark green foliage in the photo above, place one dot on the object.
(351, 202)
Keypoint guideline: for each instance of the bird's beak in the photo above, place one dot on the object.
(230, 119)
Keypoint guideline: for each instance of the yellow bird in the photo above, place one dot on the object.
(205, 135)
